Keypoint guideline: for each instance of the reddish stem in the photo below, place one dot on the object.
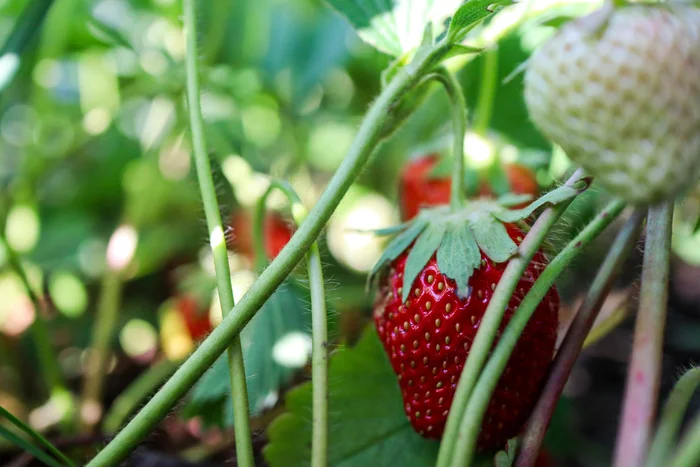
(645, 367)
(573, 342)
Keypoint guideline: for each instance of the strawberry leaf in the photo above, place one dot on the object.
(283, 314)
(559, 195)
(459, 255)
(367, 423)
(469, 15)
(420, 254)
(397, 26)
(492, 237)
(399, 244)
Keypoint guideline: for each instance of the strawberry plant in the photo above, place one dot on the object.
(501, 146)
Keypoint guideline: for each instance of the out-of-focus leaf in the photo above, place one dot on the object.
(396, 26)
(107, 34)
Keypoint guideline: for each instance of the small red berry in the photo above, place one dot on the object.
(196, 317)
(276, 230)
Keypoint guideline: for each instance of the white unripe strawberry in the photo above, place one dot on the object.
(619, 91)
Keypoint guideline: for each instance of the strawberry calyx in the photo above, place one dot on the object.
(458, 237)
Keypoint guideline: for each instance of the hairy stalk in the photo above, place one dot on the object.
(487, 91)
(319, 326)
(672, 417)
(96, 367)
(483, 342)
(371, 130)
(217, 241)
(644, 371)
(27, 25)
(129, 400)
(575, 338)
(459, 128)
(481, 395)
(688, 452)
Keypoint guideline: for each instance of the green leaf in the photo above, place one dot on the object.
(420, 254)
(60, 458)
(559, 195)
(398, 245)
(469, 15)
(492, 237)
(459, 255)
(283, 314)
(396, 26)
(367, 423)
(107, 34)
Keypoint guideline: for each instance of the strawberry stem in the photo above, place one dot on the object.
(643, 376)
(485, 336)
(487, 91)
(319, 325)
(458, 105)
(239, 391)
(672, 416)
(371, 132)
(575, 338)
(479, 401)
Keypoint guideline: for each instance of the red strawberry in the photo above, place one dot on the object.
(427, 338)
(277, 233)
(276, 230)
(196, 317)
(418, 189)
(521, 179)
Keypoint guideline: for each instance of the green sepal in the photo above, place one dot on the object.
(506, 457)
(492, 237)
(554, 197)
(394, 229)
(458, 255)
(420, 254)
(399, 245)
(511, 199)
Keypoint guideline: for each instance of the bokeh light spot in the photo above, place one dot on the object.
(68, 293)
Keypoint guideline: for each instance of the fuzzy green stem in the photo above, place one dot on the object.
(672, 417)
(239, 391)
(487, 91)
(639, 407)
(103, 331)
(688, 452)
(575, 338)
(483, 341)
(370, 133)
(27, 25)
(128, 401)
(481, 395)
(458, 106)
(50, 368)
(319, 326)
